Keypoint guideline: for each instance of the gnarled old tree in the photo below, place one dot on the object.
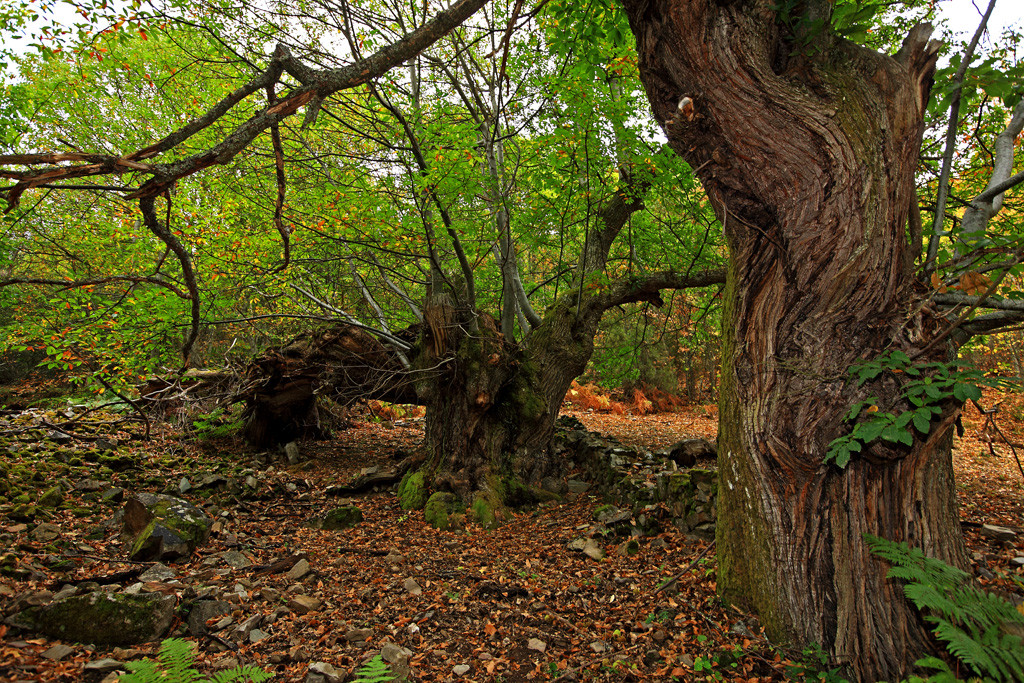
(439, 178)
(807, 145)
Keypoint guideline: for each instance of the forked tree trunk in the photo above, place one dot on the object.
(808, 161)
(491, 406)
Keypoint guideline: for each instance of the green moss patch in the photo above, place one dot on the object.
(440, 508)
(412, 491)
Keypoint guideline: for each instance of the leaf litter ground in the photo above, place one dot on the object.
(513, 604)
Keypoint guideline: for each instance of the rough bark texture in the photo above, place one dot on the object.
(808, 160)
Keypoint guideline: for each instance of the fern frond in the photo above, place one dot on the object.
(242, 674)
(970, 621)
(374, 671)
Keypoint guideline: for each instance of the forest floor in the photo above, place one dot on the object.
(512, 604)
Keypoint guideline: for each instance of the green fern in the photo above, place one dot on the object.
(174, 665)
(374, 671)
(972, 622)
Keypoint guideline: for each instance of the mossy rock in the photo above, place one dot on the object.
(412, 491)
(102, 618)
(118, 463)
(51, 498)
(164, 528)
(482, 511)
(22, 499)
(439, 509)
(23, 513)
(340, 518)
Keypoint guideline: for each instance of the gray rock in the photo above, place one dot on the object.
(461, 669)
(58, 652)
(256, 635)
(576, 487)
(599, 646)
(163, 527)
(322, 672)
(184, 486)
(395, 654)
(358, 635)
(103, 666)
(88, 485)
(304, 604)
(203, 611)
(536, 644)
(299, 570)
(158, 572)
(577, 544)
(592, 550)
(412, 587)
(44, 533)
(291, 451)
(1017, 562)
(235, 559)
(102, 618)
(59, 437)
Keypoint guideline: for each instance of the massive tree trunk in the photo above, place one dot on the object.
(808, 159)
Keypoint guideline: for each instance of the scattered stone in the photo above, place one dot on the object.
(340, 518)
(256, 635)
(358, 635)
(184, 486)
(304, 604)
(51, 498)
(394, 557)
(291, 451)
(577, 544)
(628, 549)
(1000, 534)
(59, 437)
(58, 652)
(599, 646)
(102, 618)
(322, 672)
(163, 527)
(687, 452)
(235, 559)
(158, 572)
(412, 587)
(577, 487)
(113, 495)
(395, 654)
(103, 666)
(203, 611)
(536, 644)
(299, 570)
(461, 669)
(89, 485)
(592, 550)
(44, 533)
(270, 594)
(1017, 562)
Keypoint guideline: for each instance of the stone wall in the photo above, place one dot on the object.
(639, 481)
